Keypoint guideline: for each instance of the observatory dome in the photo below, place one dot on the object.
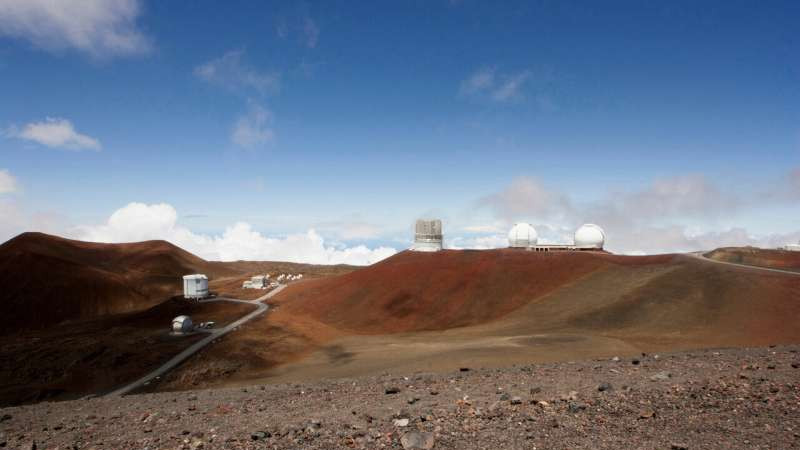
(522, 235)
(590, 236)
(182, 324)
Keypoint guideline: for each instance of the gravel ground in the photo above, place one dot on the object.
(720, 399)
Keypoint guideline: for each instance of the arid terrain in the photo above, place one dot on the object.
(706, 399)
(82, 318)
(495, 308)
(413, 312)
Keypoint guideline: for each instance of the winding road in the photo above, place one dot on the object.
(701, 256)
(212, 335)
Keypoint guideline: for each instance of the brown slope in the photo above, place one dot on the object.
(48, 279)
(761, 257)
(415, 291)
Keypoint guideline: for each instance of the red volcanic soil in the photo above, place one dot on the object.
(414, 291)
(751, 256)
(48, 279)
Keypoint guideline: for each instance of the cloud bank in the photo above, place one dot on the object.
(139, 221)
(100, 28)
(55, 133)
(649, 220)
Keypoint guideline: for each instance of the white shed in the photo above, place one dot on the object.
(195, 286)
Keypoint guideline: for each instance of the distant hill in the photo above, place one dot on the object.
(415, 291)
(48, 279)
(761, 257)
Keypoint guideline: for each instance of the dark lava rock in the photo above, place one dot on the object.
(604, 387)
(464, 369)
(635, 362)
(516, 400)
(575, 407)
(259, 435)
(392, 390)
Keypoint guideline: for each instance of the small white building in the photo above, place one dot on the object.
(182, 324)
(195, 286)
(256, 282)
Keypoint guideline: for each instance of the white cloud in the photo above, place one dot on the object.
(487, 83)
(511, 88)
(100, 28)
(56, 133)
(528, 199)
(479, 81)
(253, 129)
(138, 221)
(8, 183)
(229, 71)
(311, 32)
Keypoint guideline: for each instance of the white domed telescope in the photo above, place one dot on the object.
(590, 236)
(182, 324)
(522, 235)
(427, 236)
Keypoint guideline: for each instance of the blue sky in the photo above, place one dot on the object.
(349, 121)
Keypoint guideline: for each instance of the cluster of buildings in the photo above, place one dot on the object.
(428, 238)
(263, 281)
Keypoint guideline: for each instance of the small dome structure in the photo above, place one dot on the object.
(590, 236)
(182, 324)
(522, 235)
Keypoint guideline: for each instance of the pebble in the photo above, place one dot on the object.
(400, 422)
(516, 400)
(661, 376)
(258, 435)
(604, 387)
(417, 440)
(392, 390)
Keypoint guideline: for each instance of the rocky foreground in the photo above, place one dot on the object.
(720, 399)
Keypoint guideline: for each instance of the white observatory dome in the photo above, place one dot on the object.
(590, 236)
(182, 324)
(522, 235)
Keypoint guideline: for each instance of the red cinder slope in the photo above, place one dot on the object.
(47, 279)
(415, 291)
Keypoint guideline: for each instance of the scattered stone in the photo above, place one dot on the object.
(647, 414)
(615, 359)
(463, 369)
(400, 422)
(661, 376)
(5, 417)
(795, 365)
(635, 362)
(412, 400)
(575, 407)
(679, 447)
(771, 366)
(258, 435)
(505, 397)
(434, 392)
(417, 440)
(604, 387)
(392, 390)
(536, 390)
(516, 400)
